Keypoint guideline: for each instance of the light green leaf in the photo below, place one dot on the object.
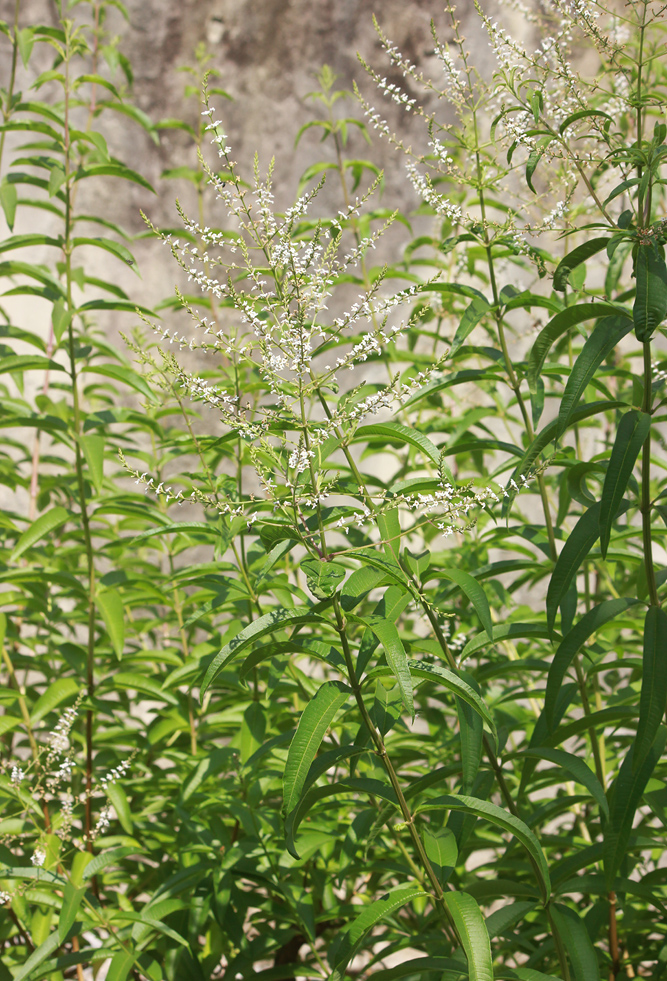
(118, 798)
(93, 451)
(121, 965)
(402, 434)
(497, 815)
(112, 170)
(397, 659)
(441, 851)
(44, 950)
(631, 435)
(314, 722)
(57, 692)
(277, 619)
(72, 898)
(39, 529)
(8, 200)
(322, 576)
(557, 326)
(354, 934)
(108, 244)
(110, 604)
(121, 373)
(455, 684)
(471, 930)
(472, 315)
(103, 861)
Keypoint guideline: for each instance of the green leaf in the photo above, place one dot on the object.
(455, 684)
(112, 170)
(545, 436)
(572, 643)
(650, 307)
(37, 957)
(8, 200)
(110, 604)
(631, 435)
(93, 451)
(277, 619)
(556, 327)
(579, 542)
(472, 315)
(441, 850)
(28, 362)
(121, 965)
(72, 898)
(471, 930)
(25, 39)
(583, 114)
(57, 692)
(577, 943)
(29, 241)
(314, 722)
(399, 433)
(575, 258)
(576, 767)
(118, 798)
(108, 244)
(625, 796)
(322, 576)
(103, 861)
(531, 166)
(606, 335)
(497, 815)
(397, 659)
(39, 529)
(121, 373)
(653, 698)
(475, 594)
(352, 937)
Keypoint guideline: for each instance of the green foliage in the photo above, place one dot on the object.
(384, 696)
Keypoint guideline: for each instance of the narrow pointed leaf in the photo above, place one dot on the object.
(556, 327)
(633, 429)
(110, 604)
(650, 307)
(402, 434)
(39, 529)
(575, 258)
(576, 767)
(572, 643)
(441, 851)
(625, 796)
(606, 335)
(397, 659)
(653, 698)
(579, 543)
(353, 936)
(475, 594)
(314, 722)
(447, 678)
(471, 930)
(577, 943)
(503, 819)
(471, 317)
(277, 619)
(72, 898)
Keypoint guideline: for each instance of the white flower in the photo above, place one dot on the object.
(17, 775)
(38, 857)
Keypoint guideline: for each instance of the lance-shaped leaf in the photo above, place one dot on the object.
(471, 317)
(545, 436)
(314, 722)
(275, 620)
(505, 820)
(606, 335)
(322, 577)
(401, 434)
(455, 684)
(39, 529)
(72, 898)
(576, 768)
(580, 541)
(653, 696)
(572, 643)
(397, 659)
(575, 258)
(650, 307)
(633, 429)
(441, 851)
(472, 589)
(625, 796)
(471, 931)
(556, 327)
(110, 604)
(574, 936)
(353, 936)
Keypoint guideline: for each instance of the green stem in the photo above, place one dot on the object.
(647, 537)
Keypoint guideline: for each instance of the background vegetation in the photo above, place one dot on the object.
(332, 633)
